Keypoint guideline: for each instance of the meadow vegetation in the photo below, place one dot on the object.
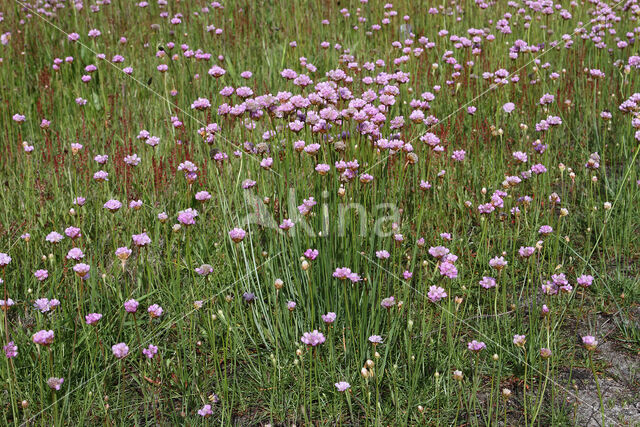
(320, 212)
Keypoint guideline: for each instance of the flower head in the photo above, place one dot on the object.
(476, 346)
(342, 386)
(375, 339)
(205, 411)
(155, 311)
(237, 234)
(519, 340)
(41, 275)
(585, 280)
(388, 302)
(313, 338)
(436, 293)
(204, 270)
(509, 107)
(112, 205)
(53, 237)
(329, 318)
(10, 350)
(43, 337)
(487, 282)
(92, 318)
(4, 259)
(187, 217)
(131, 306)
(123, 253)
(6, 304)
(141, 239)
(120, 350)
(150, 351)
(589, 342)
(82, 270)
(545, 353)
(54, 383)
(498, 263)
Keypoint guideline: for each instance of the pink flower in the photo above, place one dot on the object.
(313, 338)
(187, 217)
(53, 237)
(311, 254)
(585, 280)
(342, 386)
(131, 306)
(123, 253)
(488, 282)
(286, 224)
(498, 263)
(436, 293)
(205, 411)
(6, 304)
(92, 318)
(458, 155)
(204, 270)
(155, 311)
(344, 273)
(509, 107)
(101, 176)
(237, 234)
(141, 239)
(45, 305)
(375, 339)
(438, 251)
(449, 270)
(112, 205)
(476, 346)
(526, 252)
(152, 141)
(201, 104)
(150, 351)
(55, 383)
(82, 270)
(388, 302)
(590, 342)
(329, 318)
(43, 337)
(10, 350)
(75, 254)
(545, 230)
(519, 340)
(203, 196)
(120, 350)
(382, 254)
(41, 274)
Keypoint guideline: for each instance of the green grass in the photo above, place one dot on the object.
(250, 354)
